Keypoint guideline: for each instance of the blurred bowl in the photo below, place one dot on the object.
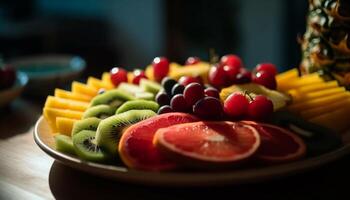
(47, 72)
(9, 94)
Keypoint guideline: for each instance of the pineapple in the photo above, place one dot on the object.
(326, 43)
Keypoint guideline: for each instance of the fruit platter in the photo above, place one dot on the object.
(201, 123)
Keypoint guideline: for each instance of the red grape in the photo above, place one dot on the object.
(178, 103)
(266, 79)
(212, 92)
(218, 77)
(177, 89)
(185, 80)
(231, 72)
(269, 67)
(260, 108)
(138, 75)
(160, 68)
(208, 108)
(231, 60)
(193, 92)
(118, 75)
(162, 98)
(236, 105)
(192, 60)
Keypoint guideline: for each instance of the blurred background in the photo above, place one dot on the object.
(130, 33)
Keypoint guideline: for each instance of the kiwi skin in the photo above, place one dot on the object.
(64, 144)
(111, 129)
(138, 105)
(85, 124)
(99, 111)
(112, 98)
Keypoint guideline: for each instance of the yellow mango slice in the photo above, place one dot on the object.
(337, 120)
(299, 82)
(50, 114)
(65, 125)
(98, 84)
(318, 87)
(315, 112)
(106, 79)
(69, 95)
(319, 94)
(287, 75)
(201, 69)
(56, 102)
(130, 77)
(313, 103)
(81, 88)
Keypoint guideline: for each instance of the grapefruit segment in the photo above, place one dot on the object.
(277, 144)
(136, 147)
(208, 143)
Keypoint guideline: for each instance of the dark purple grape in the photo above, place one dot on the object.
(193, 92)
(208, 108)
(178, 103)
(162, 98)
(168, 85)
(165, 109)
(177, 89)
(212, 92)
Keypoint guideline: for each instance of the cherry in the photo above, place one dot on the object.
(185, 80)
(212, 92)
(193, 92)
(118, 75)
(160, 68)
(178, 103)
(266, 79)
(192, 60)
(236, 105)
(260, 107)
(138, 75)
(231, 60)
(165, 109)
(244, 76)
(231, 72)
(162, 98)
(208, 108)
(218, 77)
(269, 67)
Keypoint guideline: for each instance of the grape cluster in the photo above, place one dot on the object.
(190, 97)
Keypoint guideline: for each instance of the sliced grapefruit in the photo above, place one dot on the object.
(277, 144)
(136, 147)
(208, 144)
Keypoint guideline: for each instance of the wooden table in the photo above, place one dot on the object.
(28, 173)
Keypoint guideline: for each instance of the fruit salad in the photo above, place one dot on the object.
(197, 115)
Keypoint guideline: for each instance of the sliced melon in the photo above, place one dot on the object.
(106, 79)
(74, 96)
(65, 125)
(57, 102)
(81, 88)
(50, 114)
(98, 84)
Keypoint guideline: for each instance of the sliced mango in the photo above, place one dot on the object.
(318, 87)
(69, 95)
(337, 120)
(98, 84)
(300, 82)
(106, 79)
(287, 75)
(65, 125)
(50, 114)
(314, 112)
(201, 69)
(319, 94)
(61, 103)
(81, 88)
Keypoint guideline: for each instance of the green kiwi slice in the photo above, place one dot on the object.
(113, 98)
(86, 148)
(85, 124)
(138, 105)
(111, 129)
(99, 111)
(150, 86)
(64, 144)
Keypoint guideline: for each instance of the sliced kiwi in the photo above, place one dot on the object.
(144, 95)
(150, 86)
(137, 91)
(138, 105)
(113, 98)
(86, 148)
(85, 124)
(64, 144)
(99, 111)
(111, 129)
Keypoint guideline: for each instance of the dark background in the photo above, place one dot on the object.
(130, 33)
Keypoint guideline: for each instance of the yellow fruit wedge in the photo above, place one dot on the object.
(106, 79)
(318, 87)
(315, 112)
(201, 69)
(69, 95)
(81, 88)
(98, 84)
(65, 125)
(61, 103)
(300, 82)
(287, 75)
(319, 102)
(149, 72)
(319, 94)
(130, 77)
(50, 114)
(337, 120)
